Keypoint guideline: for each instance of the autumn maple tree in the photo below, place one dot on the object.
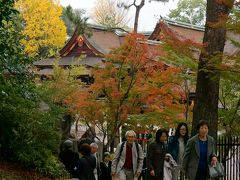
(133, 84)
(43, 28)
(182, 53)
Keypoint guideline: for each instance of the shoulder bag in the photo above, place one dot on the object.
(216, 171)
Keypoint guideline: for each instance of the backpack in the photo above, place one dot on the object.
(121, 149)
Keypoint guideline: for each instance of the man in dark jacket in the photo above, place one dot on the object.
(68, 157)
(86, 164)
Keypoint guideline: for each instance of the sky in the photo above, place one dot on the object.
(149, 14)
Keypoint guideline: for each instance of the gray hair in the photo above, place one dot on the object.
(94, 145)
(130, 131)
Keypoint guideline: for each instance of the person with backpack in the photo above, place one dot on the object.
(128, 158)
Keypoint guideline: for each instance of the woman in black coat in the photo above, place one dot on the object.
(156, 155)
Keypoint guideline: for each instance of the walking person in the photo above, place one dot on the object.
(94, 152)
(128, 158)
(199, 152)
(156, 155)
(176, 147)
(105, 167)
(68, 157)
(86, 164)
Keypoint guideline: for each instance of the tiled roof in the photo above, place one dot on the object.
(101, 41)
(193, 33)
(67, 61)
(49, 71)
(183, 24)
(183, 30)
(104, 40)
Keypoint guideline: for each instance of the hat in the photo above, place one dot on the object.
(67, 144)
(106, 154)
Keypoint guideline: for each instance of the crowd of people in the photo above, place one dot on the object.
(167, 158)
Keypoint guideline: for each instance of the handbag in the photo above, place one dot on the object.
(216, 171)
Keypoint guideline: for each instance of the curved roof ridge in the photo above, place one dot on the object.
(183, 24)
(70, 43)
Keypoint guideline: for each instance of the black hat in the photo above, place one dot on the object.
(106, 154)
(67, 144)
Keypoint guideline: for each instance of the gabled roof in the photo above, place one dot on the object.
(80, 44)
(100, 42)
(193, 33)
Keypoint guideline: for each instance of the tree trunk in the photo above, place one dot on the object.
(66, 126)
(207, 90)
(138, 8)
(135, 29)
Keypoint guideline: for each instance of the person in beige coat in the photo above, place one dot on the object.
(168, 167)
(128, 159)
(199, 152)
